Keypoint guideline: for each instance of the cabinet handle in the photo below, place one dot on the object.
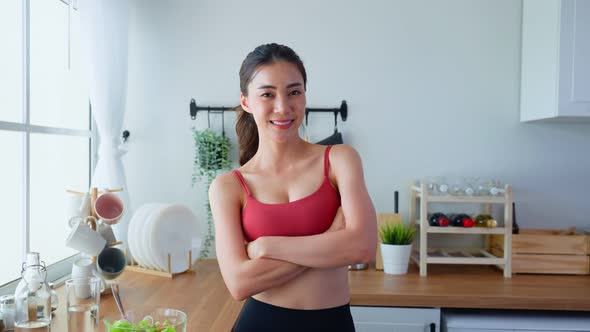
(432, 327)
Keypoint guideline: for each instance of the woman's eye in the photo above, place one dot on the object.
(295, 92)
(266, 95)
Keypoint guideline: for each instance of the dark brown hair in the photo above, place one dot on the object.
(262, 55)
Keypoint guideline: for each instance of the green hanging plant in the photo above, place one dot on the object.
(211, 157)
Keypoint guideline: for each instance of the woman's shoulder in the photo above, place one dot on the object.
(225, 184)
(343, 153)
(345, 162)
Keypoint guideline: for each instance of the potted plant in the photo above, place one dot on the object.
(396, 246)
(211, 156)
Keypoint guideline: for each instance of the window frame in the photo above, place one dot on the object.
(56, 272)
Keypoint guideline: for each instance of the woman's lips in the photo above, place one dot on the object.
(282, 124)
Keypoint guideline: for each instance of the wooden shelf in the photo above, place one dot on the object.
(459, 256)
(460, 199)
(421, 198)
(462, 230)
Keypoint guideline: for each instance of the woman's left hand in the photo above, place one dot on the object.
(255, 248)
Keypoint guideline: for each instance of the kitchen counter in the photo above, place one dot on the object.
(204, 297)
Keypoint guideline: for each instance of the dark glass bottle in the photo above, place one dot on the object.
(462, 220)
(438, 219)
(515, 228)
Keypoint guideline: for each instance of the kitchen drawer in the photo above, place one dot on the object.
(383, 327)
(395, 319)
(473, 329)
(457, 320)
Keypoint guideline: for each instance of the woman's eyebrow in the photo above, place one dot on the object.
(274, 87)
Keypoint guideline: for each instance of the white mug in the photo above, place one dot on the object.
(85, 268)
(84, 239)
(105, 230)
(77, 206)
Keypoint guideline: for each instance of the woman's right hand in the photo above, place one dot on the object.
(338, 222)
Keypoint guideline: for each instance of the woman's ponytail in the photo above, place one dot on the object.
(247, 135)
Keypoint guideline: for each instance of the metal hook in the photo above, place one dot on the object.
(125, 135)
(208, 117)
(223, 122)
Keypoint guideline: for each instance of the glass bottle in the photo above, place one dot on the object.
(497, 189)
(485, 220)
(470, 185)
(461, 220)
(456, 186)
(515, 228)
(438, 219)
(32, 297)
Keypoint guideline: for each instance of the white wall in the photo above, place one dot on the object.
(432, 89)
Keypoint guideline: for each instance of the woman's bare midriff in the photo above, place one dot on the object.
(313, 289)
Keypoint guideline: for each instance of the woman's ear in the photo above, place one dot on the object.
(244, 103)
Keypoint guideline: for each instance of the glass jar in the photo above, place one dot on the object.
(33, 296)
(7, 308)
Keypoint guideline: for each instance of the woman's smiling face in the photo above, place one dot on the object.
(276, 99)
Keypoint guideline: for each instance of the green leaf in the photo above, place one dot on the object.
(397, 233)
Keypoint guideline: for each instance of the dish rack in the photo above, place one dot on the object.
(134, 266)
(479, 256)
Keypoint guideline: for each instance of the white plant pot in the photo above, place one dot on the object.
(395, 258)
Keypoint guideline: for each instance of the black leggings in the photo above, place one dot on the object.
(258, 316)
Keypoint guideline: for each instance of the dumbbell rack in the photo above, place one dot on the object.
(478, 256)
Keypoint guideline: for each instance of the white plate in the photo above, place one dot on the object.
(173, 231)
(144, 246)
(136, 228)
(132, 237)
(142, 233)
(131, 241)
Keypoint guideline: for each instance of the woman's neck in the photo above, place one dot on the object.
(277, 157)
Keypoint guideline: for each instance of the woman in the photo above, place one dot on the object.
(295, 214)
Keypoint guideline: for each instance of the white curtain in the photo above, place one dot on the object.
(104, 25)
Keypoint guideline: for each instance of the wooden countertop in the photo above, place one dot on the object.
(204, 297)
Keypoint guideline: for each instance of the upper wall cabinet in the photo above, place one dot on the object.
(555, 77)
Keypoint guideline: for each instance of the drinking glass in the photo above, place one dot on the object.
(83, 301)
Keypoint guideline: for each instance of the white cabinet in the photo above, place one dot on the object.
(392, 319)
(555, 64)
(455, 320)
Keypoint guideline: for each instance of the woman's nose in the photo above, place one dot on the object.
(281, 105)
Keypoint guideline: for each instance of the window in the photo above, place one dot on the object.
(45, 136)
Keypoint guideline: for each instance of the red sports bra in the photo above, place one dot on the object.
(310, 215)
